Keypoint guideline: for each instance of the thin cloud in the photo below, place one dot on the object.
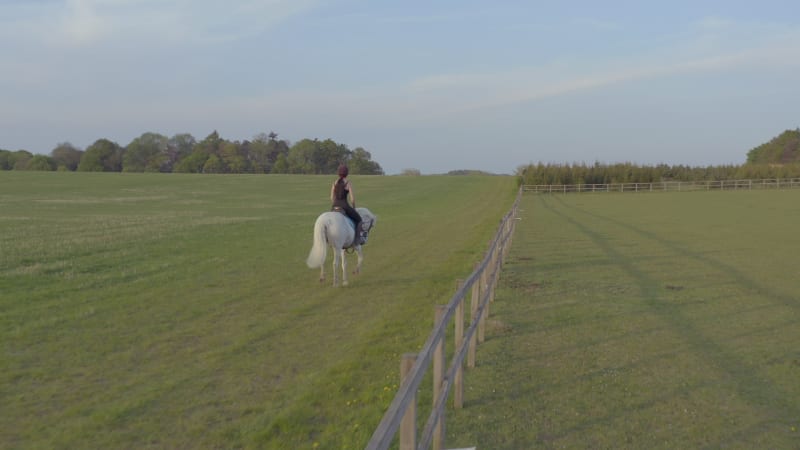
(596, 24)
(88, 22)
(470, 91)
(432, 99)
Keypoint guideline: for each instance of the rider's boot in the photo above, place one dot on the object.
(361, 234)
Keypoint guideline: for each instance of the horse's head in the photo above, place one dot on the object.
(367, 217)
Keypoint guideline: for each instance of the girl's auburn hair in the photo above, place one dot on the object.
(343, 170)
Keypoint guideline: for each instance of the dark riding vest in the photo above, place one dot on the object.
(340, 193)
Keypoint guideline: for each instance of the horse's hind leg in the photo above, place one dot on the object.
(336, 256)
(344, 268)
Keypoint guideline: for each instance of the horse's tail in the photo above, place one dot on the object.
(318, 253)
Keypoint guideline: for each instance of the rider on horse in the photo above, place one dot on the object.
(340, 191)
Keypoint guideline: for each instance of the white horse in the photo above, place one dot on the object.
(336, 229)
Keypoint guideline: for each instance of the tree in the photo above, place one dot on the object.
(301, 157)
(201, 153)
(317, 157)
(179, 147)
(5, 160)
(232, 156)
(21, 159)
(67, 156)
(263, 152)
(41, 163)
(154, 152)
(281, 164)
(361, 163)
(258, 155)
(102, 156)
(147, 153)
(214, 165)
(785, 148)
(211, 145)
(192, 164)
(276, 149)
(328, 155)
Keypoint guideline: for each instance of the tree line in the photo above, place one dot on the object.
(182, 153)
(597, 173)
(778, 158)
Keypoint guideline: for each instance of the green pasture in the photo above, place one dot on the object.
(176, 311)
(664, 320)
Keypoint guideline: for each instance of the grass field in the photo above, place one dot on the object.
(176, 311)
(668, 320)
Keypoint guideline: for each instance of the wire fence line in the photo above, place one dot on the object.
(399, 422)
(665, 186)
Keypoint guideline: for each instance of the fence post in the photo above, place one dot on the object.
(458, 386)
(438, 378)
(484, 280)
(498, 263)
(408, 425)
(473, 310)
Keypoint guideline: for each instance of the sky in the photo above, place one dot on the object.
(427, 85)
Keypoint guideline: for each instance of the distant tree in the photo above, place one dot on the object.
(67, 156)
(102, 156)
(192, 164)
(203, 151)
(41, 163)
(301, 157)
(153, 152)
(6, 160)
(258, 154)
(361, 163)
(281, 164)
(276, 149)
(232, 155)
(632, 173)
(147, 153)
(214, 165)
(263, 152)
(21, 159)
(411, 172)
(179, 147)
(784, 148)
(328, 155)
(317, 157)
(211, 145)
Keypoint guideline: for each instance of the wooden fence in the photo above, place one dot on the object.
(479, 287)
(722, 185)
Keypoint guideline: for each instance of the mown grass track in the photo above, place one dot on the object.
(666, 320)
(176, 311)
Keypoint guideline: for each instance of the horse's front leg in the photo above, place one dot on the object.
(344, 267)
(360, 260)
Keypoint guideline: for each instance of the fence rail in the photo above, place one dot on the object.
(721, 185)
(479, 287)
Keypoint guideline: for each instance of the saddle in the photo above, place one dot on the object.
(361, 234)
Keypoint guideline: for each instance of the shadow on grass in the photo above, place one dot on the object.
(750, 385)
